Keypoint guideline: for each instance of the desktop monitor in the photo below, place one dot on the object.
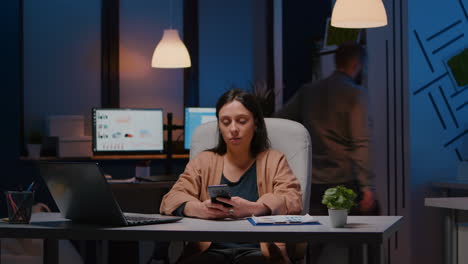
(195, 116)
(457, 67)
(335, 36)
(128, 131)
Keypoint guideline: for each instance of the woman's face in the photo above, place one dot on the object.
(236, 124)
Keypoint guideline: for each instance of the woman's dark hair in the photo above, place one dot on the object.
(260, 141)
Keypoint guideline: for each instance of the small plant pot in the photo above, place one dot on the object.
(338, 217)
(34, 151)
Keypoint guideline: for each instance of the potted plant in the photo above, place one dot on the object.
(34, 144)
(339, 200)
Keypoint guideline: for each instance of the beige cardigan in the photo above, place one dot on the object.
(278, 189)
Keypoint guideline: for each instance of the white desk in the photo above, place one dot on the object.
(447, 202)
(371, 230)
(458, 203)
(451, 232)
(454, 184)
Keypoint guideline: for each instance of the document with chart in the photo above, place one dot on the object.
(283, 220)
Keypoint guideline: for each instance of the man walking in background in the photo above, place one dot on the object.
(334, 110)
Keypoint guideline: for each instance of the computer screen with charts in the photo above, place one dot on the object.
(195, 116)
(127, 131)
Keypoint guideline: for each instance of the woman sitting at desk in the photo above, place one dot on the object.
(260, 180)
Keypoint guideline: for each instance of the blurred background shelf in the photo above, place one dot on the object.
(111, 157)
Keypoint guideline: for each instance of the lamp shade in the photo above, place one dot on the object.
(358, 14)
(170, 52)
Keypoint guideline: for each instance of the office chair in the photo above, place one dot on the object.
(287, 136)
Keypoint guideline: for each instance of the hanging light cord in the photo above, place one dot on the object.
(170, 13)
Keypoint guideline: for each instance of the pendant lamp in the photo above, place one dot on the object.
(358, 14)
(170, 51)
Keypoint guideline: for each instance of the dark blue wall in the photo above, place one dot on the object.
(438, 112)
(62, 60)
(10, 68)
(225, 48)
(303, 23)
(12, 174)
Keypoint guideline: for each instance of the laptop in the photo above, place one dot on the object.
(83, 195)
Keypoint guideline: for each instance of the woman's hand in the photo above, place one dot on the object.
(243, 208)
(206, 210)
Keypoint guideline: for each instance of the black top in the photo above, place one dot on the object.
(245, 187)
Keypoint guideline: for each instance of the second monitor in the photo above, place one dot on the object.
(127, 131)
(195, 116)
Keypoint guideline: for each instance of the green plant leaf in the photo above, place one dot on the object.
(339, 197)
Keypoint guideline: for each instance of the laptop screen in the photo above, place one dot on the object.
(81, 192)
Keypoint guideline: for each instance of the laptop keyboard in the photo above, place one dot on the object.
(133, 219)
(143, 219)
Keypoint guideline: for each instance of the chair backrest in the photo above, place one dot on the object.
(287, 136)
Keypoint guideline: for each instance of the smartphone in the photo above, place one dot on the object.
(220, 190)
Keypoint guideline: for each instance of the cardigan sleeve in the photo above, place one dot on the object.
(286, 196)
(186, 189)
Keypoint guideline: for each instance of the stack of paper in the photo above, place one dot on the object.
(282, 219)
